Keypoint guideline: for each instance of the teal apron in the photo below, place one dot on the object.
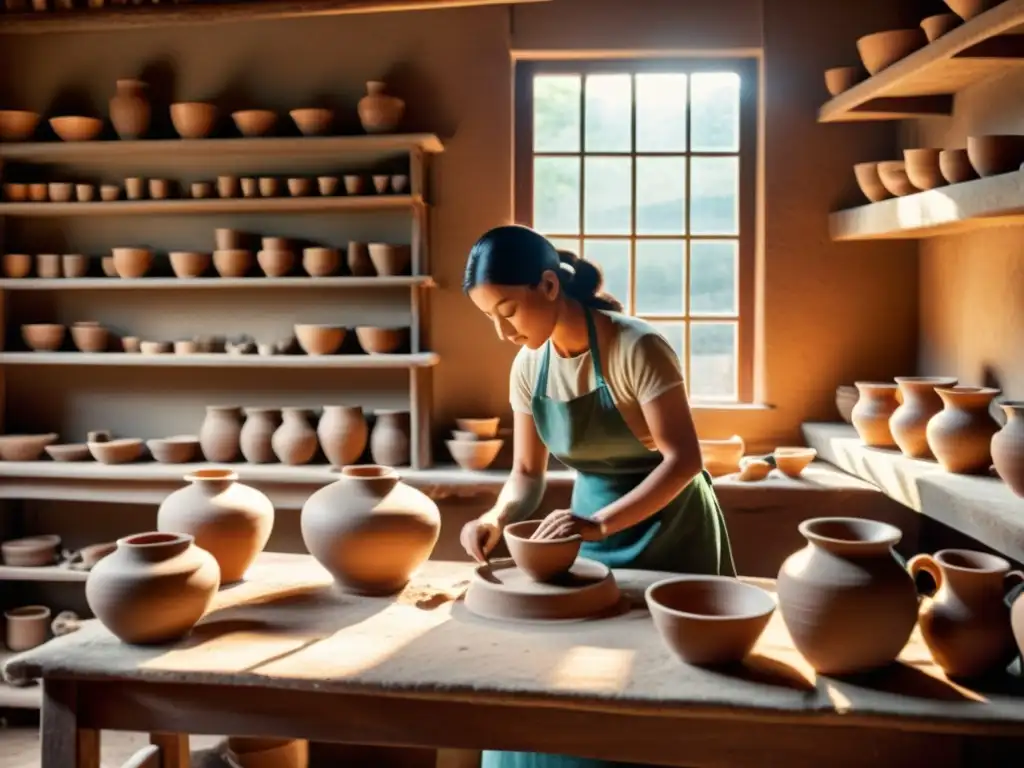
(589, 435)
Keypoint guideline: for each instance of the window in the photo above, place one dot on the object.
(648, 169)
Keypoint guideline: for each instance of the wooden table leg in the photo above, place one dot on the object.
(174, 751)
(63, 743)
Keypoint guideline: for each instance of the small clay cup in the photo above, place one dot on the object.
(135, 188)
(353, 184)
(48, 265)
(85, 193)
(107, 265)
(390, 260)
(474, 455)
(228, 239)
(132, 262)
(90, 337)
(227, 186)
(250, 187)
(270, 186)
(27, 627)
(327, 185)
(381, 341)
(792, 461)
(300, 187)
(17, 265)
(201, 190)
(540, 559)
(16, 193)
(74, 265)
(109, 193)
(399, 183)
(922, 166)
(61, 191)
(276, 263)
(38, 193)
(189, 263)
(131, 345)
(186, 347)
(159, 189)
(839, 79)
(381, 183)
(484, 429)
(155, 347)
(320, 262)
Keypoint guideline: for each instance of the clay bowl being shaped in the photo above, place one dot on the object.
(276, 263)
(90, 337)
(131, 263)
(955, 166)
(69, 452)
(60, 191)
(155, 347)
(179, 449)
(319, 339)
(752, 470)
(870, 183)
(968, 9)
(839, 79)
(484, 429)
(43, 337)
(30, 552)
(312, 121)
(17, 265)
(540, 559)
(189, 263)
(381, 341)
(995, 154)
(893, 174)
(234, 262)
(922, 166)
(255, 122)
(389, 260)
(938, 25)
(792, 461)
(25, 447)
(17, 124)
(119, 451)
(722, 457)
(883, 49)
(320, 262)
(709, 620)
(300, 187)
(193, 119)
(473, 454)
(75, 128)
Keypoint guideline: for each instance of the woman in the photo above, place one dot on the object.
(603, 393)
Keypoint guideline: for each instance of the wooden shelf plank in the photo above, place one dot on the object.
(358, 203)
(210, 283)
(45, 573)
(955, 61)
(994, 201)
(121, 359)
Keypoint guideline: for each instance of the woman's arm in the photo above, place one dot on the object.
(524, 489)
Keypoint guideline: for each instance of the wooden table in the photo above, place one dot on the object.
(283, 654)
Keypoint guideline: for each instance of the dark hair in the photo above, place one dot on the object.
(516, 255)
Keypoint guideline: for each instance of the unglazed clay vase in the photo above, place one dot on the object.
(960, 435)
(871, 414)
(343, 433)
(229, 520)
(370, 530)
(255, 437)
(379, 112)
(909, 421)
(1008, 447)
(848, 603)
(221, 433)
(966, 623)
(129, 109)
(389, 441)
(153, 588)
(294, 442)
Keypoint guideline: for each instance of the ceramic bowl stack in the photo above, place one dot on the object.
(276, 258)
(232, 258)
(475, 443)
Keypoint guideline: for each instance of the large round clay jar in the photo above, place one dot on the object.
(295, 441)
(1008, 447)
(343, 433)
(847, 602)
(370, 530)
(960, 435)
(129, 109)
(229, 520)
(871, 414)
(255, 437)
(910, 420)
(221, 433)
(389, 441)
(379, 112)
(153, 588)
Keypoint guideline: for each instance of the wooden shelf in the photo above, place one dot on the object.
(209, 283)
(924, 82)
(45, 573)
(995, 201)
(221, 360)
(358, 203)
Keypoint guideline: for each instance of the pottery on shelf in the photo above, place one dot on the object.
(17, 265)
(870, 182)
(540, 559)
(484, 429)
(353, 184)
(109, 192)
(312, 121)
(369, 529)
(327, 185)
(839, 79)
(121, 451)
(60, 191)
(90, 337)
(76, 128)
(257, 431)
(85, 193)
(388, 259)
(132, 262)
(275, 263)
(938, 25)
(27, 627)
(722, 457)
(234, 262)
(893, 174)
(130, 110)
(31, 551)
(228, 239)
(343, 434)
(909, 422)
(922, 168)
(192, 119)
(74, 265)
(316, 339)
(294, 441)
(792, 461)
(229, 520)
(381, 183)
(389, 440)
(254, 122)
(847, 572)
(381, 341)
(871, 414)
(846, 398)
(753, 469)
(960, 435)
(476, 454)
(883, 49)
(186, 264)
(17, 124)
(153, 588)
(135, 188)
(180, 449)
(43, 337)
(992, 155)
(320, 262)
(357, 256)
(968, 9)
(48, 265)
(15, 192)
(300, 186)
(38, 193)
(1008, 447)
(221, 432)
(68, 452)
(378, 111)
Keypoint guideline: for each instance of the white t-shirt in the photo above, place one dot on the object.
(639, 365)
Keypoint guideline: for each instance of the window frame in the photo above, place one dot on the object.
(747, 154)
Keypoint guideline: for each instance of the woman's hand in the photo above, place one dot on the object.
(562, 523)
(480, 536)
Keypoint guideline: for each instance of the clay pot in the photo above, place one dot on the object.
(381, 183)
(38, 193)
(122, 451)
(30, 552)
(90, 337)
(227, 186)
(60, 191)
(722, 457)
(17, 265)
(295, 441)
(25, 447)
(109, 192)
(27, 627)
(327, 185)
(276, 244)
(75, 128)
(269, 186)
(483, 429)
(871, 414)
(16, 193)
(540, 559)
(839, 79)
(221, 433)
(370, 530)
(870, 183)
(357, 257)
(938, 25)
(883, 49)
(201, 190)
(378, 112)
(968, 9)
(399, 183)
(343, 434)
(132, 262)
(153, 588)
(300, 186)
(159, 189)
(353, 184)
(235, 262)
(966, 623)
(250, 187)
(909, 421)
(390, 260)
(319, 339)
(193, 120)
(68, 452)
(846, 398)
(960, 435)
(254, 439)
(993, 155)
(320, 262)
(188, 264)
(43, 337)
(312, 122)
(229, 520)
(174, 450)
(254, 122)
(793, 461)
(922, 167)
(846, 572)
(85, 193)
(474, 455)
(129, 109)
(74, 265)
(389, 440)
(17, 124)
(1008, 447)
(135, 187)
(382, 341)
(893, 174)
(228, 239)
(275, 263)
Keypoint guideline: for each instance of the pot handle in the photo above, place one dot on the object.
(1013, 582)
(925, 563)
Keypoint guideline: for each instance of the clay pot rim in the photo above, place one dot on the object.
(223, 408)
(212, 476)
(329, 326)
(367, 472)
(390, 411)
(173, 254)
(877, 385)
(43, 325)
(174, 440)
(120, 442)
(918, 150)
(650, 597)
(41, 436)
(925, 379)
(204, 104)
(488, 441)
(27, 542)
(995, 563)
(511, 531)
(794, 451)
(152, 539)
(965, 390)
(261, 409)
(883, 532)
(28, 612)
(253, 112)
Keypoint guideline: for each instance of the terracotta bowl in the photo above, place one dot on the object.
(846, 397)
(320, 339)
(381, 341)
(484, 429)
(155, 347)
(870, 183)
(474, 454)
(792, 461)
(180, 449)
(389, 259)
(922, 166)
(839, 79)
(938, 25)
(109, 192)
(25, 447)
(993, 155)
(300, 186)
(234, 262)
(107, 265)
(60, 191)
(17, 124)
(68, 452)
(85, 193)
(353, 184)
(955, 166)
(893, 174)
(320, 262)
(90, 337)
(17, 265)
(30, 552)
(116, 451)
(968, 9)
(193, 119)
(883, 49)
(254, 122)
(43, 337)
(74, 265)
(276, 263)
(76, 128)
(722, 457)
(709, 620)
(189, 263)
(752, 470)
(541, 560)
(16, 192)
(312, 121)
(132, 263)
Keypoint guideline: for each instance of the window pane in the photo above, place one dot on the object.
(661, 112)
(556, 195)
(713, 283)
(713, 361)
(612, 256)
(556, 113)
(607, 199)
(714, 196)
(660, 277)
(661, 195)
(716, 112)
(566, 244)
(676, 335)
(609, 113)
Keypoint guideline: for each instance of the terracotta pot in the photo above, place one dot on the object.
(85, 193)
(474, 455)
(275, 263)
(90, 337)
(382, 341)
(960, 435)
(193, 120)
(722, 457)
(909, 421)
(353, 184)
(17, 124)
(893, 174)
(357, 257)
(320, 262)
(74, 265)
(871, 414)
(938, 25)
(1008, 447)
(159, 189)
(17, 265)
(870, 183)
(269, 186)
(883, 49)
(370, 530)
(48, 265)
(254, 122)
(846, 398)
(129, 109)
(16, 192)
(234, 262)
(254, 439)
(300, 186)
(399, 183)
(319, 339)
(27, 627)
(135, 188)
(294, 442)
(389, 259)
(993, 155)
(76, 128)
(109, 192)
(381, 183)
(540, 559)
(389, 440)
(847, 571)
(43, 337)
(229, 520)
(132, 262)
(312, 121)
(966, 623)
(839, 79)
(922, 167)
(968, 9)
(327, 185)
(153, 588)
(180, 449)
(343, 433)
(229, 239)
(227, 186)
(30, 552)
(221, 433)
(188, 264)
(250, 186)
(379, 112)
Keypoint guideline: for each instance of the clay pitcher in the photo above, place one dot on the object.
(343, 433)
(960, 435)
(966, 623)
(910, 420)
(229, 520)
(221, 433)
(871, 414)
(389, 441)
(153, 588)
(1008, 447)
(847, 572)
(370, 530)
(294, 442)
(254, 439)
(129, 109)
(379, 112)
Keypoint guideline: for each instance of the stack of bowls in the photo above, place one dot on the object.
(474, 444)
(232, 258)
(276, 258)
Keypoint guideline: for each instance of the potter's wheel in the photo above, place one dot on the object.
(499, 590)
